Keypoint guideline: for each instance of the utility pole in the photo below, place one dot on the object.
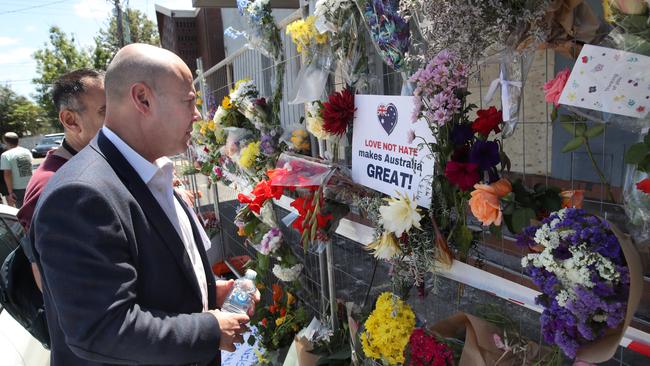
(120, 30)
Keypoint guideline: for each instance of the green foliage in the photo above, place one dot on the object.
(61, 55)
(523, 204)
(57, 57)
(639, 154)
(19, 114)
(140, 30)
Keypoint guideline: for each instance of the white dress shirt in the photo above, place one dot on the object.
(159, 177)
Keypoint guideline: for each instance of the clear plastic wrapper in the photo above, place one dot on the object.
(513, 70)
(312, 79)
(637, 204)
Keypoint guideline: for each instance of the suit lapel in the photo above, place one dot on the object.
(209, 276)
(152, 210)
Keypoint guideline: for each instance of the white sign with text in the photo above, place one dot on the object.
(382, 156)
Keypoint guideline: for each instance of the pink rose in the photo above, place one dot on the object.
(553, 88)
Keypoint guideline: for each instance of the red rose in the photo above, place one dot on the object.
(464, 175)
(644, 186)
(488, 120)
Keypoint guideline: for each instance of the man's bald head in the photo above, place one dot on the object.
(140, 63)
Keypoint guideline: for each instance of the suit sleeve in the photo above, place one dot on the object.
(88, 268)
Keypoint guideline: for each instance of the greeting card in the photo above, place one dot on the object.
(609, 80)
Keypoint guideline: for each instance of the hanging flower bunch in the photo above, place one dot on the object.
(338, 112)
(305, 36)
(388, 30)
(278, 323)
(387, 329)
(339, 19)
(581, 270)
(476, 29)
(424, 349)
(266, 39)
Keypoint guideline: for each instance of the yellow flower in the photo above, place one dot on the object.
(211, 125)
(386, 247)
(279, 321)
(290, 298)
(226, 103)
(304, 34)
(299, 139)
(388, 329)
(260, 286)
(249, 155)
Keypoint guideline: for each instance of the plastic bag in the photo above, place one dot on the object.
(513, 70)
(312, 79)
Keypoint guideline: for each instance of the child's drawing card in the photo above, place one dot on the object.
(609, 80)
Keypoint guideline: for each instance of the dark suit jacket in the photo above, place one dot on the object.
(119, 287)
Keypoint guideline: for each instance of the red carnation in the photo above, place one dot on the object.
(464, 175)
(338, 112)
(488, 120)
(644, 186)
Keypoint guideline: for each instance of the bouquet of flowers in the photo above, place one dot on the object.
(388, 30)
(425, 349)
(583, 274)
(318, 217)
(265, 37)
(630, 19)
(387, 330)
(339, 20)
(476, 29)
(278, 323)
(463, 151)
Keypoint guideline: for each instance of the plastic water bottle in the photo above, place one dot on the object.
(240, 298)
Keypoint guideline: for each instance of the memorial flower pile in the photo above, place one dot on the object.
(277, 323)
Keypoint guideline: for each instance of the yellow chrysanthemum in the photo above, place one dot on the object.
(388, 329)
(304, 34)
(226, 103)
(249, 154)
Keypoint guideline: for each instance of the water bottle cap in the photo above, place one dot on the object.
(250, 274)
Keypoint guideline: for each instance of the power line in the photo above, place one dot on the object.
(32, 7)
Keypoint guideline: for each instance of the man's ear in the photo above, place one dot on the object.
(69, 120)
(141, 97)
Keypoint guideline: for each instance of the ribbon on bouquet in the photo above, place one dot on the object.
(505, 93)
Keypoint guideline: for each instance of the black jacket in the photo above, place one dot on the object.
(119, 288)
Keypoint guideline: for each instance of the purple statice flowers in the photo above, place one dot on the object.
(582, 274)
(388, 30)
(437, 87)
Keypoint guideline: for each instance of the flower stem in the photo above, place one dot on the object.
(603, 180)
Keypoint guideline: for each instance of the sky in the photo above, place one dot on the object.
(24, 26)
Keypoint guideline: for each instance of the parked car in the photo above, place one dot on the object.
(17, 346)
(47, 143)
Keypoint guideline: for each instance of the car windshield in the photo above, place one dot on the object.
(51, 140)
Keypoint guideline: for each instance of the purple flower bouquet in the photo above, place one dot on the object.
(583, 274)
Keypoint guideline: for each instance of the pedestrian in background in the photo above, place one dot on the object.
(16, 164)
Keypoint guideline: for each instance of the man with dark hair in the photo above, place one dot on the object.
(16, 163)
(80, 99)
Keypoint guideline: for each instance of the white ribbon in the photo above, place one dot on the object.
(505, 93)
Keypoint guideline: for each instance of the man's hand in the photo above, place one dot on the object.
(223, 289)
(232, 327)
